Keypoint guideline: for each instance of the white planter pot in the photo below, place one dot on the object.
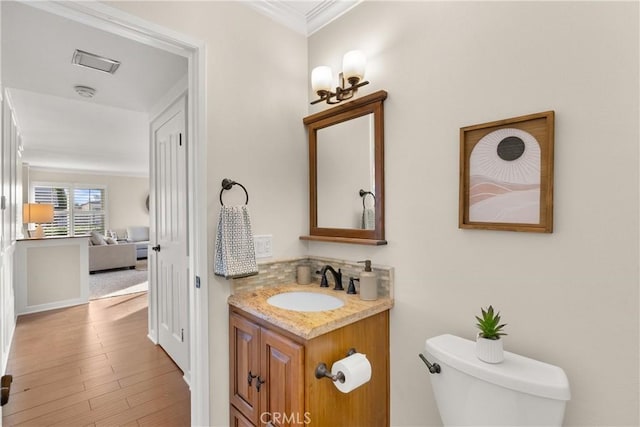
(490, 351)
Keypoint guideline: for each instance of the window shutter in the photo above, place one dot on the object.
(77, 210)
(59, 198)
(88, 211)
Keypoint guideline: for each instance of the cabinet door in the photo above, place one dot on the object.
(244, 349)
(282, 393)
(237, 419)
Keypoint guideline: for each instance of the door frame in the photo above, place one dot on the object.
(115, 21)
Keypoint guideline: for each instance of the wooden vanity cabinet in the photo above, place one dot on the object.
(290, 394)
(266, 374)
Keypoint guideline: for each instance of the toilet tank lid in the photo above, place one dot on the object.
(516, 372)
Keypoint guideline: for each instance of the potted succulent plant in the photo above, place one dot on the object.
(488, 343)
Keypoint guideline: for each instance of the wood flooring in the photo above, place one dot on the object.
(93, 365)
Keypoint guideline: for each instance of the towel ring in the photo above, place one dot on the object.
(364, 194)
(227, 184)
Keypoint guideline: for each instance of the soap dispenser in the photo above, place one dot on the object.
(368, 283)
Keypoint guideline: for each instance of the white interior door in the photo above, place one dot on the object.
(170, 249)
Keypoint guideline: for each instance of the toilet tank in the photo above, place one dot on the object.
(517, 392)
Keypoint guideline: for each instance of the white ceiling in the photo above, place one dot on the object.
(59, 129)
(76, 135)
(107, 133)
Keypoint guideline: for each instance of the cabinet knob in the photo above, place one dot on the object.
(259, 383)
(250, 377)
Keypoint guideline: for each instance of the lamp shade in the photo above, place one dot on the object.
(353, 64)
(321, 78)
(37, 213)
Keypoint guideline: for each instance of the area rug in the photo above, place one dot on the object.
(106, 284)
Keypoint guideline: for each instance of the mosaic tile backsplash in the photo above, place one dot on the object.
(279, 272)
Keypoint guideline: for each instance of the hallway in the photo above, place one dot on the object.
(93, 365)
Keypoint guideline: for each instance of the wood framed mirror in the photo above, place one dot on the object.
(346, 172)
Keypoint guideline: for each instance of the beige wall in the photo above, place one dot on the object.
(567, 296)
(570, 298)
(126, 195)
(50, 274)
(256, 99)
(43, 261)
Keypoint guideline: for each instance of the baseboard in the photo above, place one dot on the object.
(152, 339)
(5, 355)
(52, 306)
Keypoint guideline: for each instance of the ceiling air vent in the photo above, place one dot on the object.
(96, 62)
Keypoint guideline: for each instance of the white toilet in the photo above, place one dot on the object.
(519, 391)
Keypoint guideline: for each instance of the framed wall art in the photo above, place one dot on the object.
(506, 174)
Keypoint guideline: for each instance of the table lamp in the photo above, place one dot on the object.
(37, 213)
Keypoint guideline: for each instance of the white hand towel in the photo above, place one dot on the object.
(368, 219)
(235, 253)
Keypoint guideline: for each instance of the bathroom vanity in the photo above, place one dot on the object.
(274, 353)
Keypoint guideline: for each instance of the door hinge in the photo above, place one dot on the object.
(180, 138)
(198, 282)
(182, 334)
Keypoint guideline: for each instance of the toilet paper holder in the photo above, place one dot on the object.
(322, 371)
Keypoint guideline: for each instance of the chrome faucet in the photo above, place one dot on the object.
(337, 277)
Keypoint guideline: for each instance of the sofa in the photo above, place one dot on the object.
(139, 236)
(105, 253)
(110, 256)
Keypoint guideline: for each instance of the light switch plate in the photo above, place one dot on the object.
(263, 246)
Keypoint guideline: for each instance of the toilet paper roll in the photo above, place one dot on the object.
(356, 369)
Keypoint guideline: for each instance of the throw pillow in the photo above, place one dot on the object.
(111, 241)
(97, 238)
(138, 234)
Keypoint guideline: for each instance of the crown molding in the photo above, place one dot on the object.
(70, 171)
(326, 12)
(305, 23)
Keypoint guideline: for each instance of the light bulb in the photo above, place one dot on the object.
(353, 65)
(321, 79)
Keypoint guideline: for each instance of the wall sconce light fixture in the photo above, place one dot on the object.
(353, 65)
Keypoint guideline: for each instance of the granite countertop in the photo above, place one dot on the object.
(307, 325)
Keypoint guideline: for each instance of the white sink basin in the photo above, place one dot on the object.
(305, 301)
